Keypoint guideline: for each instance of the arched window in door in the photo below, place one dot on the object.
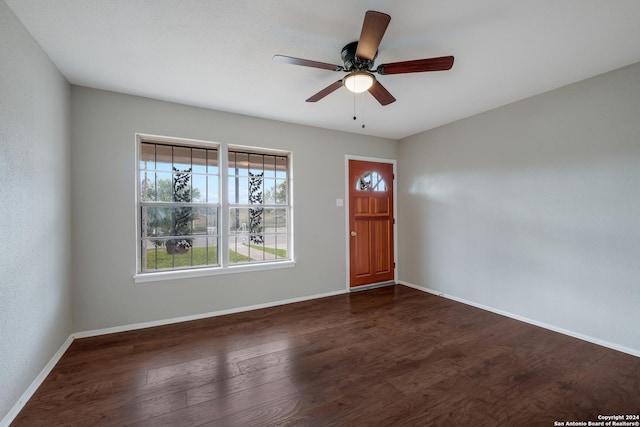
(371, 181)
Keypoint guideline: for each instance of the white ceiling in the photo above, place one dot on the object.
(217, 54)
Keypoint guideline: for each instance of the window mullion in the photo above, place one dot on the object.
(224, 205)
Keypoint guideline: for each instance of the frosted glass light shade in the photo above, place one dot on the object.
(359, 81)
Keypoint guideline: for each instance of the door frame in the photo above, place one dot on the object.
(347, 237)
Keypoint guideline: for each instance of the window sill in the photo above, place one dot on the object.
(213, 271)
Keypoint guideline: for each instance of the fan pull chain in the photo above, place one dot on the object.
(363, 114)
(354, 106)
(354, 110)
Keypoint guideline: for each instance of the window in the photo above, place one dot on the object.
(208, 207)
(179, 206)
(258, 207)
(371, 181)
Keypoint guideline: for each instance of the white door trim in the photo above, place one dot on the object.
(347, 239)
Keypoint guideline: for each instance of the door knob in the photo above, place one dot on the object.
(354, 234)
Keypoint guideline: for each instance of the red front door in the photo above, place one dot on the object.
(370, 222)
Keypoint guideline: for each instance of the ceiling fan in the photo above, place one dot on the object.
(358, 58)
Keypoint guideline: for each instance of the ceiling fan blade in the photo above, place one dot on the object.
(417, 66)
(380, 93)
(326, 91)
(373, 28)
(306, 62)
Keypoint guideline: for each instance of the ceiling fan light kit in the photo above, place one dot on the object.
(359, 81)
(358, 58)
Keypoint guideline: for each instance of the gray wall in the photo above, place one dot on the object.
(35, 296)
(103, 235)
(533, 208)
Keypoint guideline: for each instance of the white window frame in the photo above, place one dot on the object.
(223, 244)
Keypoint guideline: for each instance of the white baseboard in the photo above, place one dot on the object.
(613, 346)
(15, 410)
(132, 327)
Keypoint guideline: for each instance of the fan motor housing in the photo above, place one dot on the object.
(351, 62)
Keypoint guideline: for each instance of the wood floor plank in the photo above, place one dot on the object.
(386, 356)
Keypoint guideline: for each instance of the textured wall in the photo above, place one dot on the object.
(533, 208)
(35, 298)
(104, 236)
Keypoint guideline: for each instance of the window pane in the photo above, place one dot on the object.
(281, 245)
(203, 253)
(164, 157)
(250, 225)
(212, 161)
(212, 189)
(155, 224)
(256, 164)
(242, 249)
(147, 186)
(199, 188)
(275, 227)
(181, 189)
(212, 251)
(281, 193)
(239, 190)
(256, 225)
(177, 237)
(269, 191)
(239, 221)
(178, 223)
(243, 190)
(164, 186)
(255, 190)
(233, 197)
(269, 166)
(147, 250)
(181, 258)
(268, 219)
(371, 181)
(182, 158)
(199, 160)
(280, 220)
(212, 221)
(147, 156)
(231, 162)
(200, 223)
(241, 166)
(163, 221)
(281, 167)
(238, 252)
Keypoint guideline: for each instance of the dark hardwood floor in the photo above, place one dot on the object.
(390, 356)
